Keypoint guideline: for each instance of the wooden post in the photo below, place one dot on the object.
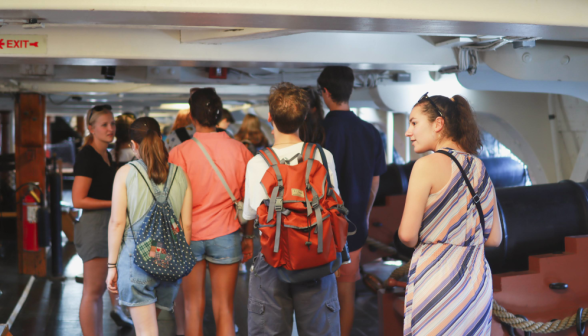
(48, 131)
(5, 138)
(80, 125)
(30, 120)
(5, 130)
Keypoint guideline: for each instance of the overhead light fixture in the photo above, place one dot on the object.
(175, 106)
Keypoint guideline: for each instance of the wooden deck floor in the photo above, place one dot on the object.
(52, 306)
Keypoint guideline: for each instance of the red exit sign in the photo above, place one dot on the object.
(18, 44)
(23, 44)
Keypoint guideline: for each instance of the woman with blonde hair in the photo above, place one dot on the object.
(250, 134)
(94, 172)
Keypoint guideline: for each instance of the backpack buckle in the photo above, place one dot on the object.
(314, 203)
(476, 199)
(279, 204)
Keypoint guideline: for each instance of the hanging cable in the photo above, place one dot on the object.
(467, 59)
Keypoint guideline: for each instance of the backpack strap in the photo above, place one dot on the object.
(182, 133)
(170, 185)
(144, 179)
(340, 207)
(308, 151)
(476, 196)
(277, 196)
(218, 172)
(325, 164)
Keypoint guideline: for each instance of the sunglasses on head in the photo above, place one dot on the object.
(427, 98)
(99, 108)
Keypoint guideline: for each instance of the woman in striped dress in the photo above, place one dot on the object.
(449, 291)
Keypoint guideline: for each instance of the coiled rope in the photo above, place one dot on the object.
(536, 327)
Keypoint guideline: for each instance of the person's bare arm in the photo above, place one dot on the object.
(495, 237)
(116, 225)
(373, 192)
(419, 188)
(186, 217)
(79, 193)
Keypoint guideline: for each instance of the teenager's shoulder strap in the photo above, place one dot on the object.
(144, 179)
(216, 170)
(325, 163)
(476, 196)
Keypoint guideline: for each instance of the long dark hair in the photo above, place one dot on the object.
(123, 127)
(312, 129)
(460, 123)
(146, 132)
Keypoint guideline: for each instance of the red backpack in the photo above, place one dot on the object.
(303, 224)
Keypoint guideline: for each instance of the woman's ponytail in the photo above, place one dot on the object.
(466, 131)
(155, 156)
(145, 132)
(88, 139)
(205, 107)
(460, 122)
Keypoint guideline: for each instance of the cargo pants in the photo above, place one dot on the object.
(272, 304)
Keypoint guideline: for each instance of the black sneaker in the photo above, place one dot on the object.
(120, 318)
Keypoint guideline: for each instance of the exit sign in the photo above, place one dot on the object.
(23, 44)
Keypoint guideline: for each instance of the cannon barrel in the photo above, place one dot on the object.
(535, 220)
(504, 172)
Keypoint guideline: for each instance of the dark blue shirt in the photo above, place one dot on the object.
(358, 152)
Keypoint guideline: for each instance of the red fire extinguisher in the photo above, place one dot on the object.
(32, 215)
(30, 210)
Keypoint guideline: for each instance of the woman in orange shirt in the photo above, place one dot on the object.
(216, 231)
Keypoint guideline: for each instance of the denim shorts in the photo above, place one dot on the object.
(223, 250)
(136, 287)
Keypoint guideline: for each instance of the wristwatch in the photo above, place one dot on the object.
(248, 236)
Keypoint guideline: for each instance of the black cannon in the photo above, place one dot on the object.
(504, 172)
(535, 220)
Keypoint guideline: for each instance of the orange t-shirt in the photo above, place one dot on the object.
(213, 212)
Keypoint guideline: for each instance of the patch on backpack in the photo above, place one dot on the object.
(160, 255)
(144, 249)
(297, 192)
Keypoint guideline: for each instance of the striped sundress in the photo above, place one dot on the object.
(449, 291)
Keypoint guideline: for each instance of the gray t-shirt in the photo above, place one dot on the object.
(139, 198)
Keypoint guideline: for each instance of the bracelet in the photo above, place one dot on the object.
(109, 266)
(248, 236)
